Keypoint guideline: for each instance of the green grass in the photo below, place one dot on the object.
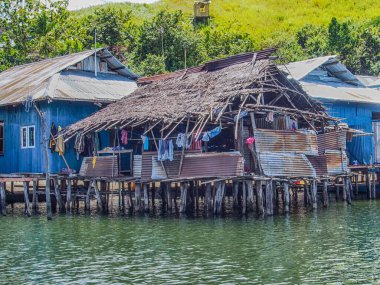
(265, 20)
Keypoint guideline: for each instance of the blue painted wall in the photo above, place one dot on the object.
(357, 116)
(63, 113)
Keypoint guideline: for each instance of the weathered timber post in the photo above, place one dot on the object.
(100, 204)
(57, 195)
(26, 198)
(137, 197)
(305, 195)
(35, 197)
(68, 196)
(269, 198)
(368, 183)
(183, 203)
(208, 201)
(3, 204)
(196, 183)
(235, 194)
(244, 204)
(87, 206)
(344, 192)
(325, 193)
(356, 185)
(153, 194)
(146, 198)
(120, 198)
(349, 189)
(219, 197)
(337, 189)
(314, 193)
(12, 195)
(286, 197)
(130, 200)
(259, 198)
(374, 185)
(250, 195)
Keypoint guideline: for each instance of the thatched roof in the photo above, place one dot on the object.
(244, 81)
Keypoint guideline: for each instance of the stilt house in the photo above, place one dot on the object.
(238, 118)
(63, 90)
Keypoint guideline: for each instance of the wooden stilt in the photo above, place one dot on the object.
(68, 196)
(348, 189)
(48, 198)
(250, 196)
(87, 206)
(208, 201)
(26, 198)
(235, 194)
(146, 198)
(337, 190)
(356, 185)
(259, 198)
(131, 205)
(35, 198)
(286, 197)
(138, 201)
(100, 204)
(3, 204)
(244, 204)
(12, 195)
(368, 182)
(219, 197)
(153, 194)
(183, 203)
(374, 185)
(57, 195)
(344, 189)
(120, 198)
(314, 193)
(269, 198)
(196, 196)
(305, 198)
(325, 193)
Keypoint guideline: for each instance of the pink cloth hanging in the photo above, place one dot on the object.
(124, 136)
(250, 140)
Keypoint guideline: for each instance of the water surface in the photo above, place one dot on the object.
(339, 245)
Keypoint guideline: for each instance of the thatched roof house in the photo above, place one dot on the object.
(245, 95)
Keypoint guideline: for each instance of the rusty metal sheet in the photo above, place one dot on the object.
(286, 165)
(336, 162)
(106, 166)
(286, 141)
(213, 165)
(319, 163)
(332, 141)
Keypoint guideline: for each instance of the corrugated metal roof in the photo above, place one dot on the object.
(286, 141)
(286, 165)
(370, 81)
(339, 93)
(331, 65)
(319, 163)
(39, 78)
(84, 86)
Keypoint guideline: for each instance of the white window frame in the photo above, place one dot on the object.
(27, 128)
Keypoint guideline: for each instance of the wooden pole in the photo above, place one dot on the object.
(286, 197)
(356, 185)
(269, 198)
(219, 197)
(26, 198)
(3, 205)
(138, 197)
(374, 185)
(98, 198)
(87, 206)
(146, 198)
(259, 198)
(57, 195)
(183, 203)
(208, 201)
(244, 206)
(235, 194)
(314, 193)
(68, 196)
(344, 192)
(250, 195)
(35, 197)
(325, 194)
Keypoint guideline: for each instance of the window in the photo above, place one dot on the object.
(28, 137)
(1, 137)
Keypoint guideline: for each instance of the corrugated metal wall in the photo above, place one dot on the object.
(357, 116)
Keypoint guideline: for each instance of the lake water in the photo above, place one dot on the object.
(338, 245)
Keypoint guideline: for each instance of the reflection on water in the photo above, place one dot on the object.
(339, 245)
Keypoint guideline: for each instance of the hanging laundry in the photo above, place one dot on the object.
(94, 161)
(241, 115)
(183, 139)
(294, 128)
(270, 117)
(53, 133)
(195, 144)
(145, 141)
(60, 148)
(165, 150)
(124, 137)
(211, 134)
(250, 140)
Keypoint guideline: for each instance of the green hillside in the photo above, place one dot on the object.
(265, 20)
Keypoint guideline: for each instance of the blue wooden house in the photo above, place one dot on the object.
(65, 89)
(346, 97)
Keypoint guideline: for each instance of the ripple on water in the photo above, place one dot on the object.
(339, 245)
